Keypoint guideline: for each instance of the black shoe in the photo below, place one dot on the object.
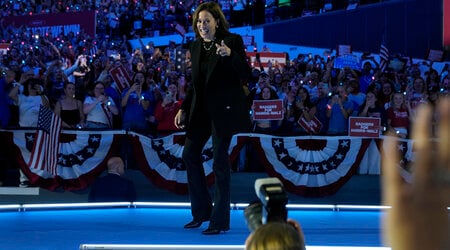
(24, 184)
(213, 231)
(193, 224)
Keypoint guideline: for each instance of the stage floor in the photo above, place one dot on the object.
(68, 229)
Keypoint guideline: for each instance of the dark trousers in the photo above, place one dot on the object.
(201, 203)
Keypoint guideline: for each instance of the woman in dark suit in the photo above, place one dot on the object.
(215, 106)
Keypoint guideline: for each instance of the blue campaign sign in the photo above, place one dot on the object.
(348, 60)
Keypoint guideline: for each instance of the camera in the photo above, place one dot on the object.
(271, 206)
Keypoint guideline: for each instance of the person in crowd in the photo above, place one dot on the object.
(29, 103)
(339, 110)
(267, 126)
(70, 109)
(5, 81)
(322, 107)
(385, 95)
(278, 82)
(54, 83)
(399, 115)
(444, 86)
(166, 111)
(355, 96)
(138, 105)
(182, 86)
(366, 77)
(307, 109)
(346, 74)
(99, 108)
(371, 108)
(252, 81)
(417, 93)
(311, 85)
(432, 78)
(81, 75)
(113, 187)
(277, 235)
(407, 226)
(217, 107)
(255, 92)
(291, 114)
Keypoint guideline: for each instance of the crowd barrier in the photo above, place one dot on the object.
(307, 165)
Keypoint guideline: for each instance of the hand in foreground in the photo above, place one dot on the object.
(418, 218)
(179, 119)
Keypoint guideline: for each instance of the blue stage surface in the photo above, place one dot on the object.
(69, 229)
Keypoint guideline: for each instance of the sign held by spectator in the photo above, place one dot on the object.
(343, 50)
(313, 126)
(435, 55)
(121, 77)
(348, 60)
(278, 60)
(4, 48)
(364, 126)
(268, 109)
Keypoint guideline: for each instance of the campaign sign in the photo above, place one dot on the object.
(121, 77)
(344, 50)
(313, 126)
(4, 48)
(349, 60)
(278, 60)
(268, 109)
(364, 126)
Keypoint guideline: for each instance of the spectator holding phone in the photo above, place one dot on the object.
(138, 105)
(371, 108)
(29, 103)
(166, 110)
(338, 110)
(99, 108)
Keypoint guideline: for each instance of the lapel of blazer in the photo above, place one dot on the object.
(195, 57)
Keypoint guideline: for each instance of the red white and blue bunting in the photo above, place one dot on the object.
(307, 165)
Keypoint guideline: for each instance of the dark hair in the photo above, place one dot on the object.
(307, 102)
(144, 85)
(92, 87)
(216, 12)
(273, 93)
(31, 82)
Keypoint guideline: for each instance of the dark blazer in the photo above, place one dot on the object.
(224, 100)
(112, 188)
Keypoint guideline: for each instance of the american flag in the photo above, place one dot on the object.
(384, 57)
(44, 155)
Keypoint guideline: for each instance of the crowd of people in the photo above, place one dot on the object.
(70, 74)
(74, 81)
